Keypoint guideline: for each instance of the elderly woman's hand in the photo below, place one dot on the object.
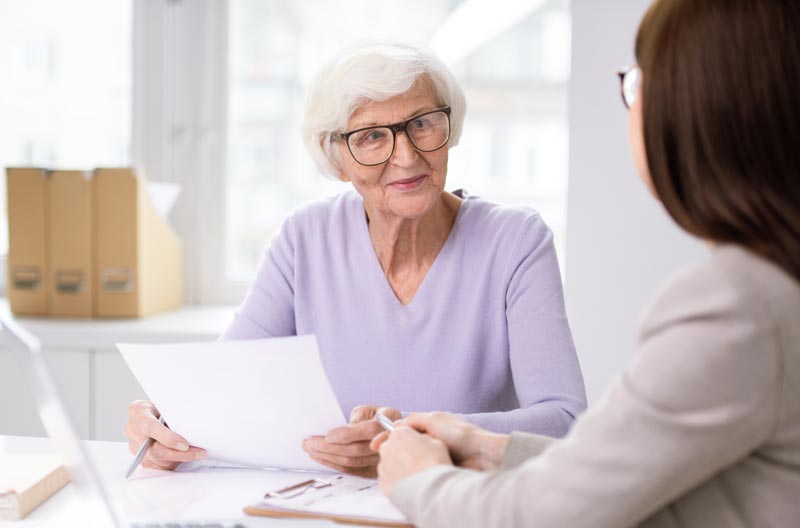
(169, 448)
(346, 449)
(469, 445)
(405, 452)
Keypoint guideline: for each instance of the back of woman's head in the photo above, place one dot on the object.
(721, 119)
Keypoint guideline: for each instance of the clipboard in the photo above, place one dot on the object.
(342, 499)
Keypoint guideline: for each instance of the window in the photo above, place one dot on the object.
(65, 97)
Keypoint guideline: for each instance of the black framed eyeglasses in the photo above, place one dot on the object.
(375, 144)
(630, 79)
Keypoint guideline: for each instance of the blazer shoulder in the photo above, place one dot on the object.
(718, 318)
(733, 280)
(761, 281)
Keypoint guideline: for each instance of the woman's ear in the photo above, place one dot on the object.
(335, 160)
(341, 174)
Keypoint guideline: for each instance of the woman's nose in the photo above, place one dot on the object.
(404, 153)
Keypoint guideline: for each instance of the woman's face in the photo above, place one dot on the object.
(636, 139)
(410, 182)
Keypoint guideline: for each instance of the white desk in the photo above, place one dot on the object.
(202, 495)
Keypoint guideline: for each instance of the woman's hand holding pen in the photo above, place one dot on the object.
(347, 449)
(428, 439)
(469, 445)
(404, 452)
(169, 448)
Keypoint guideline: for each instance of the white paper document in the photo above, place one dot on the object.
(245, 402)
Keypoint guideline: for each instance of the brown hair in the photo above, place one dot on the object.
(721, 120)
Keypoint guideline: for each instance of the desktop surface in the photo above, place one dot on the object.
(202, 495)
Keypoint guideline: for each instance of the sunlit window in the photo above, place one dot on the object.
(514, 72)
(65, 96)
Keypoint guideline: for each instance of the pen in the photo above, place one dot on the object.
(142, 451)
(385, 422)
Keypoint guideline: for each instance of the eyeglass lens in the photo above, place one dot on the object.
(630, 86)
(373, 146)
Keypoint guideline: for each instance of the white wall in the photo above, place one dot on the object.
(621, 244)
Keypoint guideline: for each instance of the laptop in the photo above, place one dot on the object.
(100, 511)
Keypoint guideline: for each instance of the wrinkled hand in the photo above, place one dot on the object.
(346, 449)
(468, 445)
(405, 452)
(168, 450)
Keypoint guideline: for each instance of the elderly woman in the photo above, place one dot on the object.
(703, 428)
(420, 299)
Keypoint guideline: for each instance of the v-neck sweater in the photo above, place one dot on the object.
(485, 336)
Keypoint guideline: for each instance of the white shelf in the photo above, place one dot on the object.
(90, 374)
(191, 323)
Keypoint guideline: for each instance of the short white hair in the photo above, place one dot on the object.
(374, 70)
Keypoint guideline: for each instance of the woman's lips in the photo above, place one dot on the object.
(408, 183)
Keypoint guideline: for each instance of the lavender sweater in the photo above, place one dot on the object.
(486, 335)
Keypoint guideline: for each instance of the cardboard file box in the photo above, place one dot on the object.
(88, 243)
(69, 221)
(137, 254)
(28, 276)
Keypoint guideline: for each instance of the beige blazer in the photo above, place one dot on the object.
(701, 430)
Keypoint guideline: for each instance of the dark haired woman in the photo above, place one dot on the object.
(703, 428)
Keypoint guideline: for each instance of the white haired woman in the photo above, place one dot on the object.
(420, 299)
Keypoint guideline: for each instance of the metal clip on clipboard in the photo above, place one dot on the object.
(297, 489)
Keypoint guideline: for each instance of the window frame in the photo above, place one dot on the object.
(180, 126)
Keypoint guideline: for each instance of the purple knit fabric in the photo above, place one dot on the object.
(485, 336)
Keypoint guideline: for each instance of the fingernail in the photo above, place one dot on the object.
(199, 455)
(183, 446)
